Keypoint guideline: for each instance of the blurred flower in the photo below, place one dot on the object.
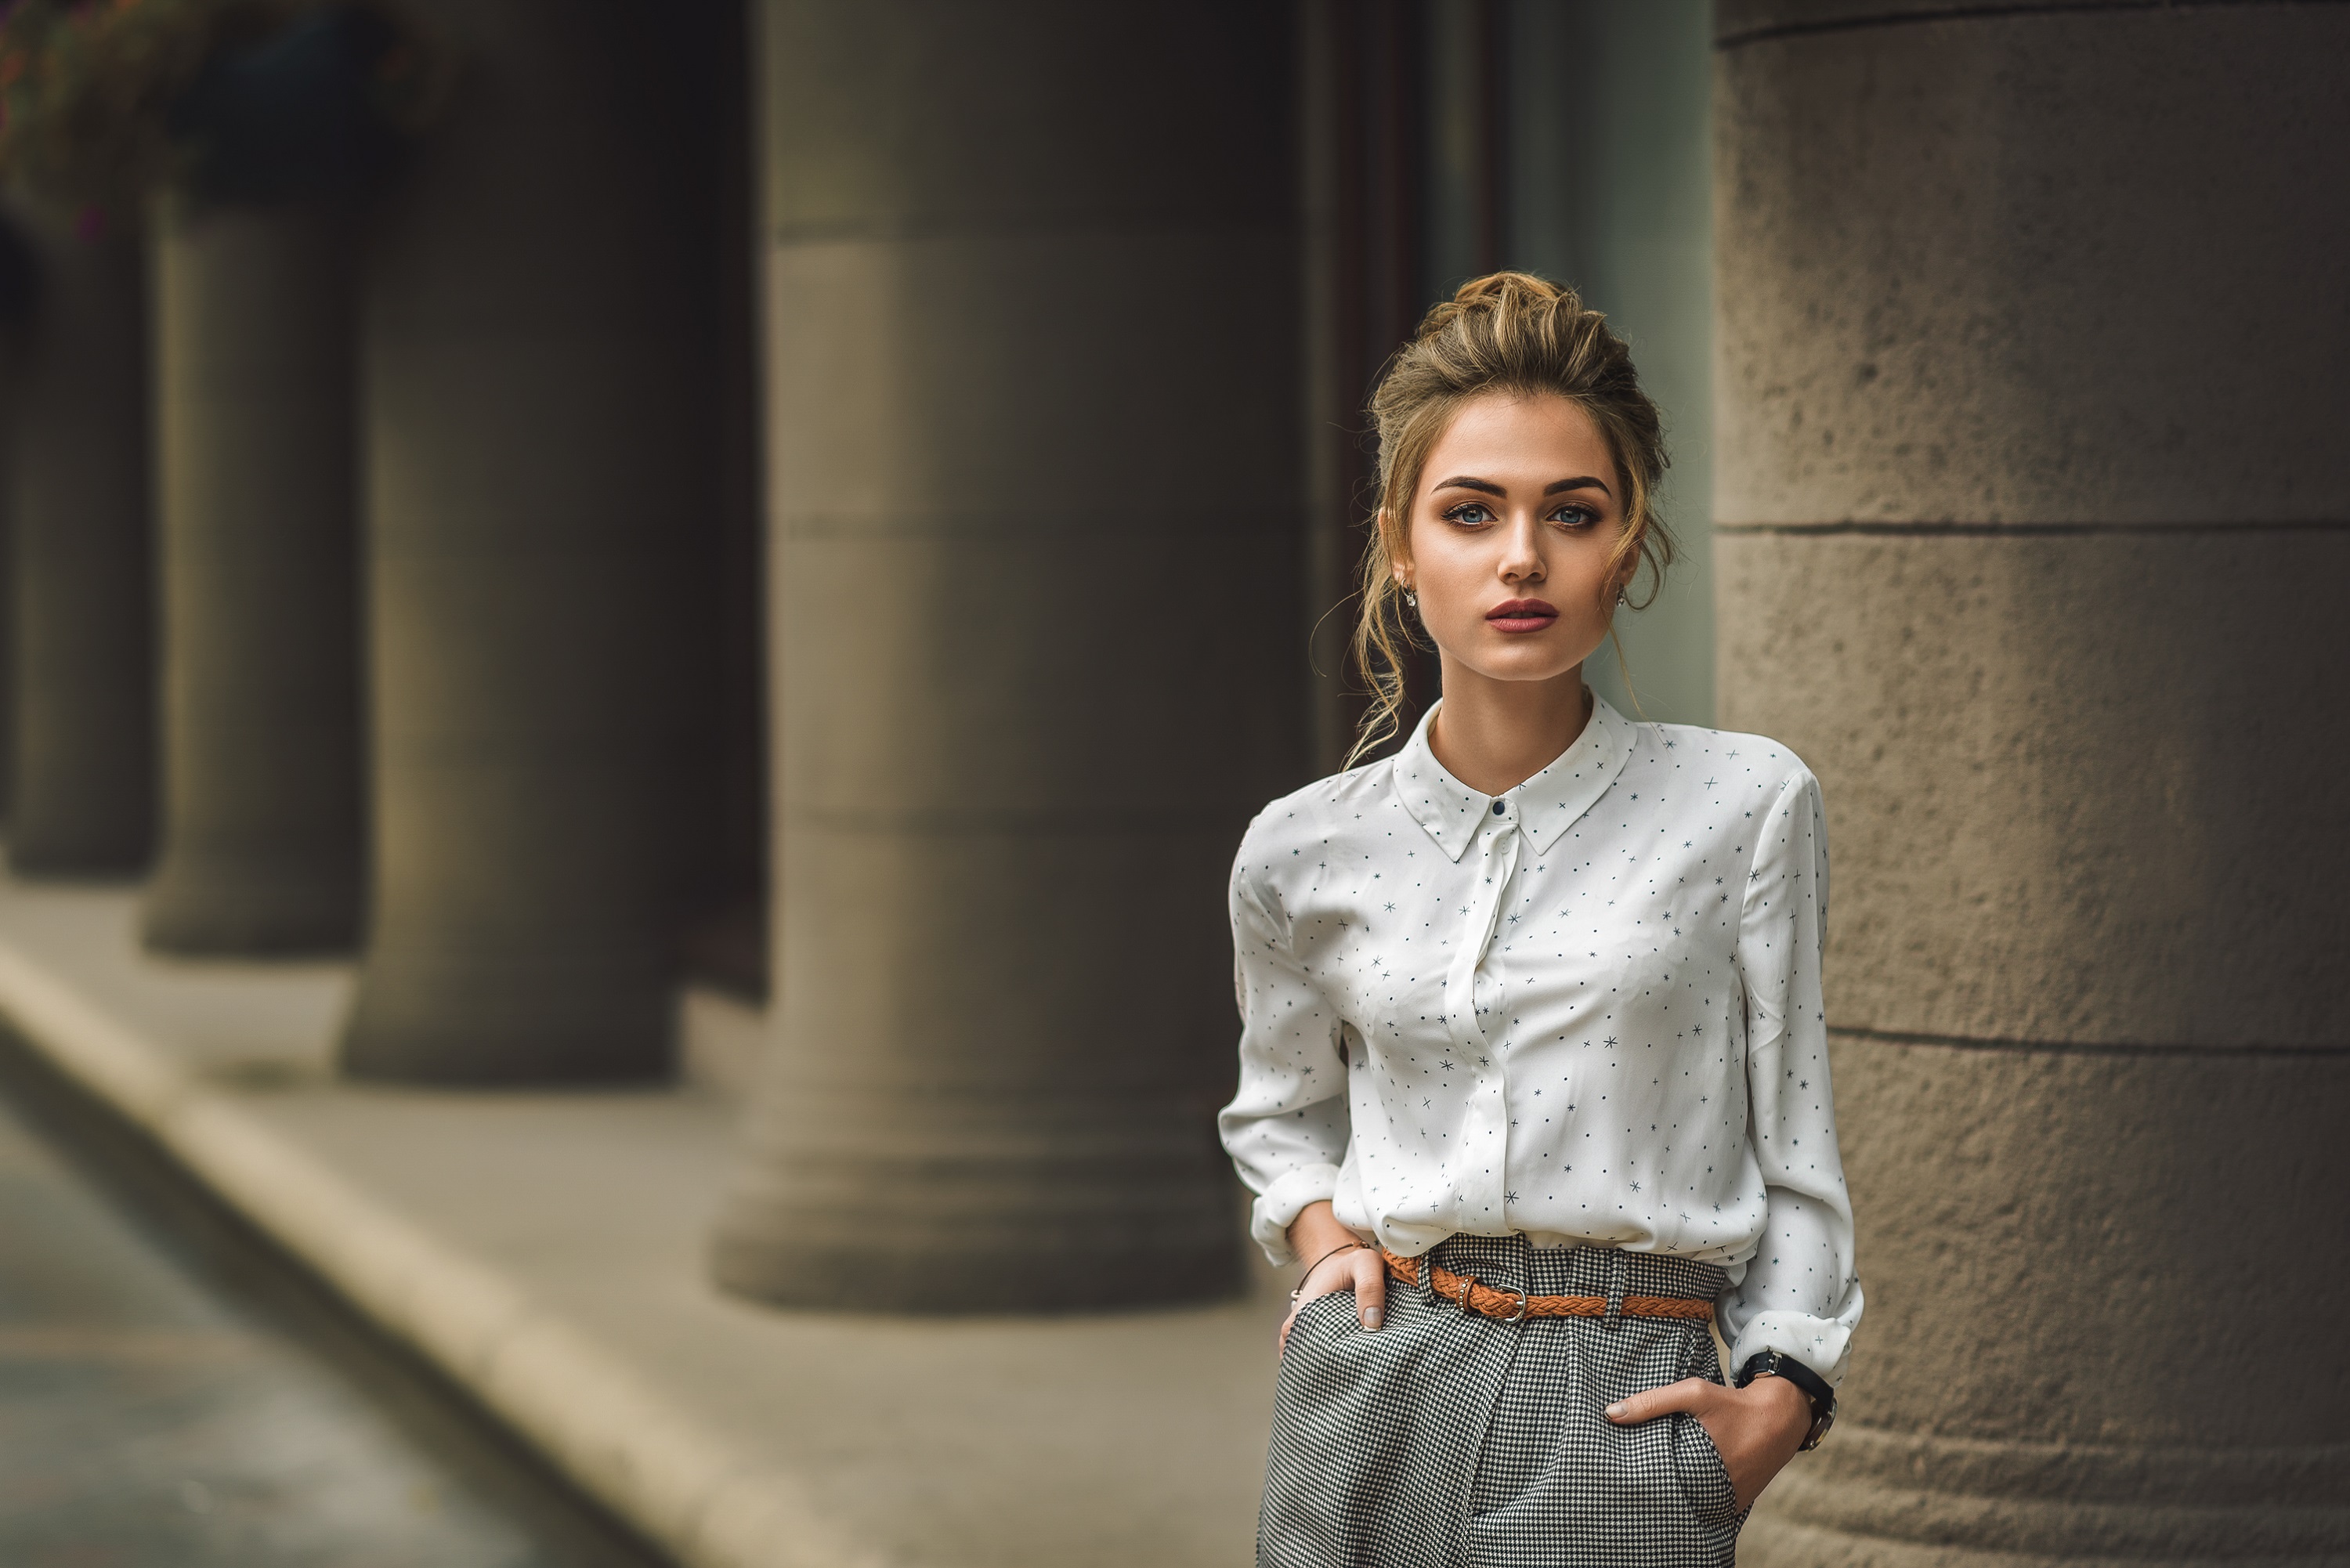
(107, 100)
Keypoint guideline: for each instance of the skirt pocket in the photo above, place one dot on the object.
(1327, 1316)
(1704, 1477)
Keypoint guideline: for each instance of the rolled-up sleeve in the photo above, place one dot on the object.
(1799, 1295)
(1286, 1129)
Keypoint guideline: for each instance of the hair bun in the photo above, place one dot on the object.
(1502, 292)
(1513, 286)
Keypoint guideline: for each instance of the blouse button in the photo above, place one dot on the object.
(1499, 807)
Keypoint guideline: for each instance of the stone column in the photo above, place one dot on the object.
(530, 400)
(2031, 462)
(18, 270)
(1035, 521)
(258, 543)
(83, 797)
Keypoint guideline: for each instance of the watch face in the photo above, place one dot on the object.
(1820, 1426)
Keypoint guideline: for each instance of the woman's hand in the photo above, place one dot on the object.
(1757, 1428)
(1339, 1261)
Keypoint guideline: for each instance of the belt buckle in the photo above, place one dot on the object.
(1525, 1301)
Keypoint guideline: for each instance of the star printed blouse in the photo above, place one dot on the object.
(1587, 1009)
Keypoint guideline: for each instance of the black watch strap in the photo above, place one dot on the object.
(1775, 1363)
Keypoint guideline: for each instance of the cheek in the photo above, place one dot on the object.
(1591, 572)
(1449, 584)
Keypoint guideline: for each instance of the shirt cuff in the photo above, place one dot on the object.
(1821, 1344)
(1280, 1205)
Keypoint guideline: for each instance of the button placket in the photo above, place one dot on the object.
(1484, 1143)
(1499, 846)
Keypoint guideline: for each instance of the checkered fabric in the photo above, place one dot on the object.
(1448, 1440)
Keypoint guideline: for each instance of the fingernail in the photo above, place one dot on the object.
(1370, 1317)
(1615, 1411)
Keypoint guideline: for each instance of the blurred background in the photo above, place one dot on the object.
(634, 640)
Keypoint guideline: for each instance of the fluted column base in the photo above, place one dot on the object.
(968, 1108)
(197, 906)
(482, 1018)
(956, 1201)
(42, 848)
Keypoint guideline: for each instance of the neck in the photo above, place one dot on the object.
(1493, 735)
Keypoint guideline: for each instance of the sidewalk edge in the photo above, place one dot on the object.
(684, 1487)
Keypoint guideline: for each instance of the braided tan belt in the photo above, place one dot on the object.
(1512, 1306)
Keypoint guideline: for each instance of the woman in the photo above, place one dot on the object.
(1534, 1071)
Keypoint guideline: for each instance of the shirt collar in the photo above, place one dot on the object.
(1544, 806)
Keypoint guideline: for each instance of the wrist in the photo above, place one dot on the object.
(1805, 1384)
(1784, 1401)
(1316, 1231)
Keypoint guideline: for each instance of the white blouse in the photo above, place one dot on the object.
(1587, 1009)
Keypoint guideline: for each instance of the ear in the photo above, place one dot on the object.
(1624, 575)
(1398, 565)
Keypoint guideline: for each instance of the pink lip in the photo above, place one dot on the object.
(1521, 615)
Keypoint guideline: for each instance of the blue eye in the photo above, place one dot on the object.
(1575, 517)
(1462, 512)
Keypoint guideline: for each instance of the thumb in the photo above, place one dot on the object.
(1691, 1393)
(1370, 1286)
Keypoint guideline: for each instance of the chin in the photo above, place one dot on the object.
(1527, 669)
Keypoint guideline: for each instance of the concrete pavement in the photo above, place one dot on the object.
(545, 1250)
(173, 1395)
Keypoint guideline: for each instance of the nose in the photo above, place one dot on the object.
(1521, 556)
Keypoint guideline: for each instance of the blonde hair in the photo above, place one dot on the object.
(1515, 335)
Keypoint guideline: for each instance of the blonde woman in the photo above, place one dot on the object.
(1534, 1068)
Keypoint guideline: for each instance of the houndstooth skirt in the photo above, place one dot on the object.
(1450, 1440)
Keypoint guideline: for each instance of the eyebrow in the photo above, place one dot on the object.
(1556, 487)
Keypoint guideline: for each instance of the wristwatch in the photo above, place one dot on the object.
(1772, 1364)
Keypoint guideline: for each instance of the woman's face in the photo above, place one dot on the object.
(1518, 507)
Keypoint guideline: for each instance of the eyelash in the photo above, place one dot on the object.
(1583, 516)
